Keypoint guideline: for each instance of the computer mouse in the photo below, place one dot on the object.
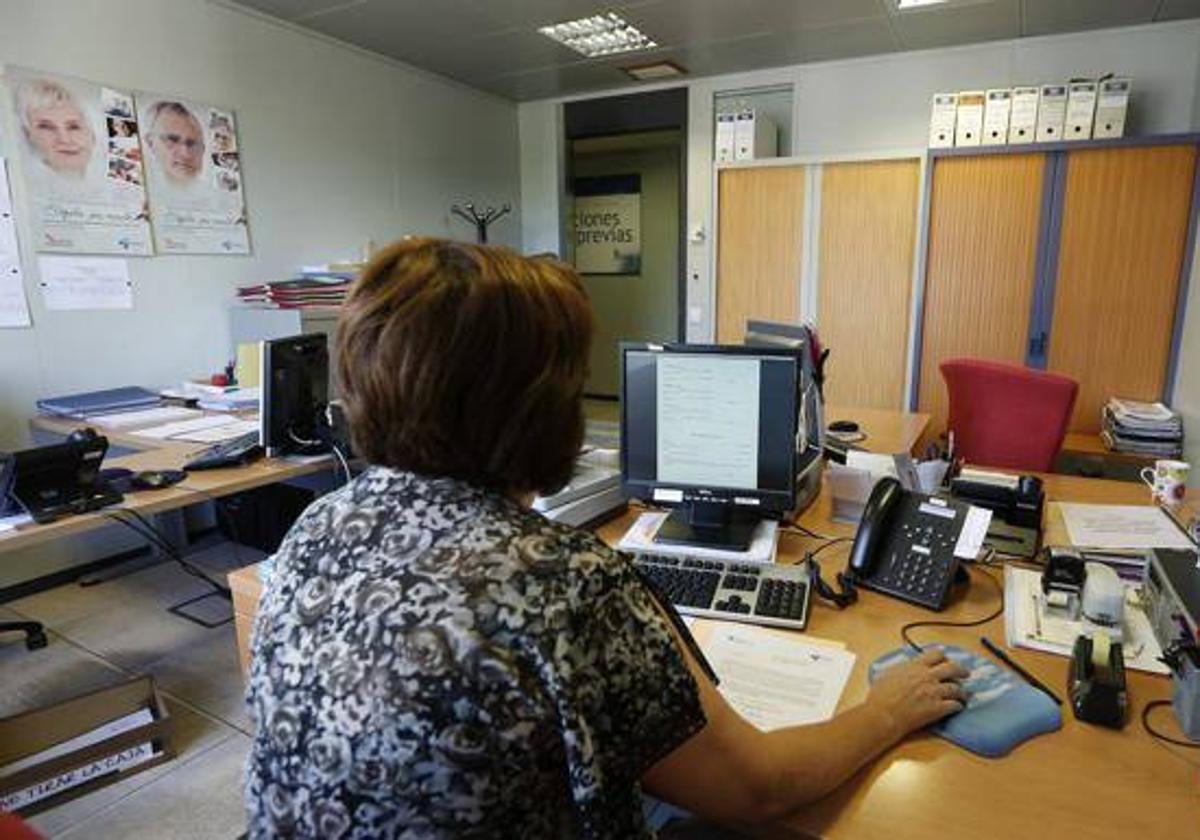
(83, 434)
(156, 479)
(845, 426)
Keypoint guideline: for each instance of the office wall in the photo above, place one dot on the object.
(339, 147)
(881, 103)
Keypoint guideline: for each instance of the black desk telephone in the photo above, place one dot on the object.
(905, 545)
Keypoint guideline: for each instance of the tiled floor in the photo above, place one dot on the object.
(107, 633)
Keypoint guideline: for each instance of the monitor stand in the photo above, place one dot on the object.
(708, 525)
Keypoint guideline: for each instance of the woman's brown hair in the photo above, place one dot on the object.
(466, 361)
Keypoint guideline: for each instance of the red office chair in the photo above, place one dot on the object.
(1007, 416)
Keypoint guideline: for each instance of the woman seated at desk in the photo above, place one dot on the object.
(432, 658)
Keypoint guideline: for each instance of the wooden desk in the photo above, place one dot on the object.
(1083, 781)
(887, 431)
(157, 455)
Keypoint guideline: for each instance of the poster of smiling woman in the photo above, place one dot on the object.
(81, 156)
(193, 166)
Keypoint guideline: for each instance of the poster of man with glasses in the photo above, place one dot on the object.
(81, 157)
(194, 174)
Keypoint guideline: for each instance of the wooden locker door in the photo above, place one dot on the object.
(1124, 230)
(760, 244)
(984, 219)
(865, 257)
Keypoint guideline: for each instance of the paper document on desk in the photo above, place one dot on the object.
(774, 681)
(178, 429)
(144, 417)
(1121, 526)
(221, 433)
(1028, 623)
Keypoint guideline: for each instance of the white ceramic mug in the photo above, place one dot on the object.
(1167, 481)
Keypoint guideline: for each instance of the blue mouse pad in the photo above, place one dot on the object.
(1002, 709)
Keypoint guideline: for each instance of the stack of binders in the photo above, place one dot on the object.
(1142, 428)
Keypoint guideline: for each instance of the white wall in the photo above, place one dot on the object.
(338, 147)
(881, 103)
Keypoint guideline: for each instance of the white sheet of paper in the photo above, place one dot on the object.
(85, 282)
(970, 539)
(773, 681)
(220, 434)
(185, 427)
(129, 419)
(14, 309)
(1121, 526)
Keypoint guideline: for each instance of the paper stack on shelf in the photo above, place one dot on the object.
(315, 287)
(1142, 428)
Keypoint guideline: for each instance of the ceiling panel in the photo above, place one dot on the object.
(293, 9)
(846, 41)
(940, 27)
(494, 45)
(1042, 17)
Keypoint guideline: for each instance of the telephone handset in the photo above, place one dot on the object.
(905, 545)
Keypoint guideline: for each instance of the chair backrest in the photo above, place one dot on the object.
(1007, 416)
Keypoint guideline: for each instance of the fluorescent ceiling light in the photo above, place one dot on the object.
(658, 70)
(604, 34)
(916, 4)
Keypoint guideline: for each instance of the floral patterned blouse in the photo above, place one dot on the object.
(432, 660)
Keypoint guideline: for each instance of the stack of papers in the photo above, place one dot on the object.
(775, 680)
(206, 429)
(1121, 527)
(639, 539)
(1142, 428)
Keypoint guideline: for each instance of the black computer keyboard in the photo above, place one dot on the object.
(240, 450)
(757, 593)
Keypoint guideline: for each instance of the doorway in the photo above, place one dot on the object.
(625, 178)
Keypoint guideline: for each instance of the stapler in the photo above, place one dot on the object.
(1096, 681)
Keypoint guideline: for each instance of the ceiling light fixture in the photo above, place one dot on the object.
(657, 70)
(916, 4)
(605, 34)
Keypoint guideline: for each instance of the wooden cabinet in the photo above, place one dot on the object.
(868, 230)
(1068, 260)
(761, 230)
(1121, 247)
(984, 217)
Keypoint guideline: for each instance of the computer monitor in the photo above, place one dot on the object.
(711, 432)
(810, 441)
(294, 396)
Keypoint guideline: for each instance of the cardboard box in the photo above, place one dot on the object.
(1112, 104)
(1081, 108)
(968, 126)
(996, 112)
(1052, 113)
(1023, 114)
(942, 119)
(53, 754)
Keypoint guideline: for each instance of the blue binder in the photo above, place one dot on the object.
(99, 402)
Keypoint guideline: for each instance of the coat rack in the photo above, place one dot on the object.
(481, 220)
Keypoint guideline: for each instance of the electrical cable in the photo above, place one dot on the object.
(1154, 733)
(974, 623)
(800, 529)
(147, 531)
(342, 459)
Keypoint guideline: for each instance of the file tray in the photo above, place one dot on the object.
(59, 752)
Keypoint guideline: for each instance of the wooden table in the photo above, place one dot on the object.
(1083, 781)
(887, 431)
(157, 455)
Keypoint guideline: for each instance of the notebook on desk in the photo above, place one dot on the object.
(98, 402)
